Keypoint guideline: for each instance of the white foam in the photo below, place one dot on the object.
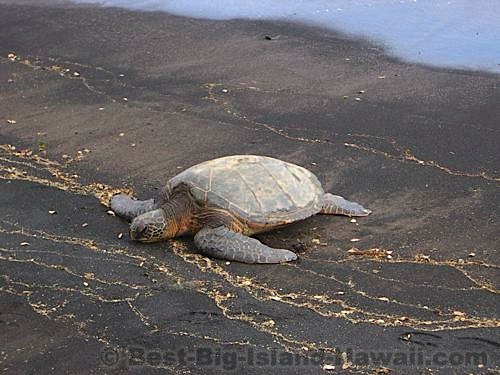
(456, 33)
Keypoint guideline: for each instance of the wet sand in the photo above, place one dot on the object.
(106, 99)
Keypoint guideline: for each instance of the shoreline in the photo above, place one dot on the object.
(367, 28)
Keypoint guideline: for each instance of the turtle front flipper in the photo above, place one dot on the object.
(223, 243)
(129, 208)
(337, 205)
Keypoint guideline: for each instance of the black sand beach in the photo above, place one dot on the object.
(94, 101)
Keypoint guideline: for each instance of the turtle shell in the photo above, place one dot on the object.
(258, 189)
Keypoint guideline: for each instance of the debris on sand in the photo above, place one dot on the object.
(422, 258)
(371, 253)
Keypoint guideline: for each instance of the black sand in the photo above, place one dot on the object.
(124, 99)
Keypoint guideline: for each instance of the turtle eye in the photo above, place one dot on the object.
(138, 231)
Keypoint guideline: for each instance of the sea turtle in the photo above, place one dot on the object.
(223, 201)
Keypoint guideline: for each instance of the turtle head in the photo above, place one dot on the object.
(152, 226)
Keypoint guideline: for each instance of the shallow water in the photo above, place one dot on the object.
(448, 33)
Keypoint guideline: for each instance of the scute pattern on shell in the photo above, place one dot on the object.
(258, 189)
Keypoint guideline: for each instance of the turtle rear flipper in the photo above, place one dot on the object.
(223, 243)
(337, 205)
(128, 208)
